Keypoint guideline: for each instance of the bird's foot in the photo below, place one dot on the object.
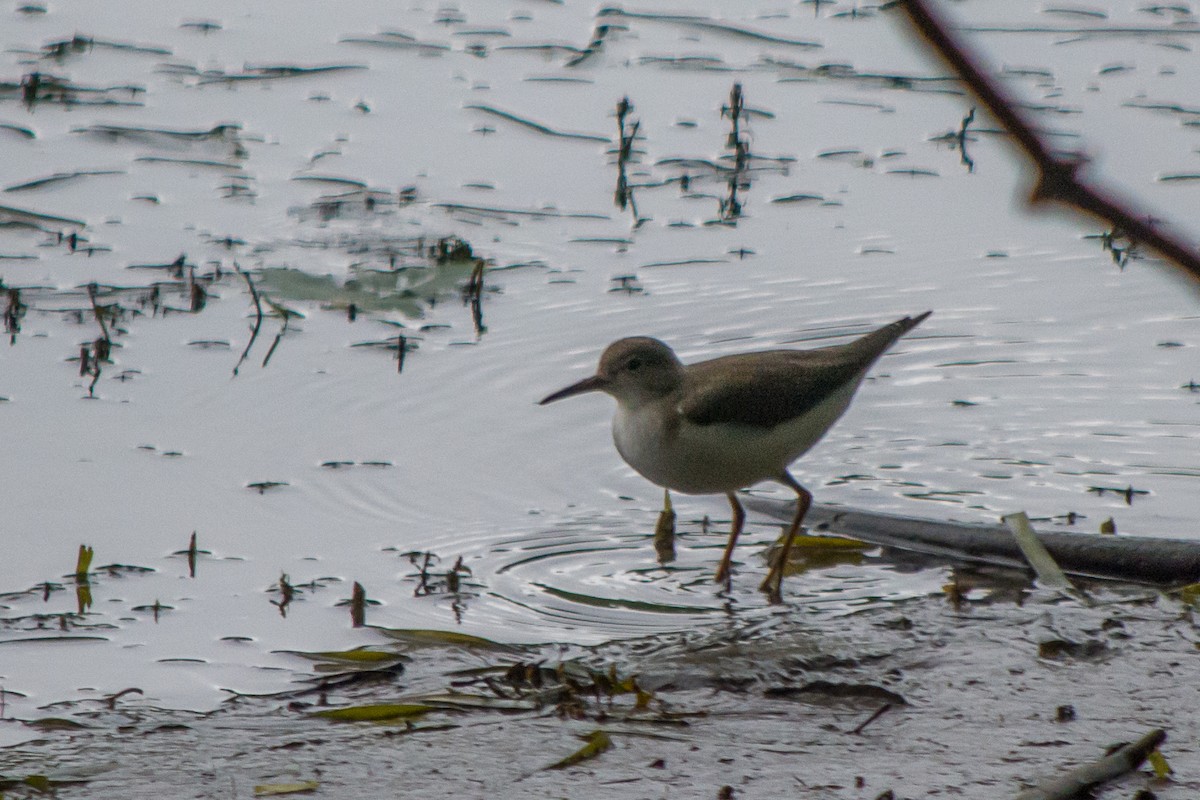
(772, 585)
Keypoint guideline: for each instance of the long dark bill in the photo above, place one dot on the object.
(592, 384)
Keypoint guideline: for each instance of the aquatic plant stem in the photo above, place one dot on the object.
(258, 317)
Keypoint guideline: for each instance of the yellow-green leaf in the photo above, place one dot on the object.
(434, 638)
(830, 543)
(1161, 768)
(1049, 574)
(83, 562)
(378, 712)
(1190, 593)
(39, 782)
(271, 789)
(359, 655)
(597, 742)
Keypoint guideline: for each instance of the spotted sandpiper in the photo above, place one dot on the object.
(717, 426)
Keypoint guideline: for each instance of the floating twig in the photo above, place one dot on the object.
(473, 294)
(358, 606)
(287, 593)
(286, 314)
(962, 139)
(258, 317)
(13, 312)
(191, 556)
(536, 126)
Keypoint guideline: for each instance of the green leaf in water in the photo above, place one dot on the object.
(272, 789)
(1162, 770)
(596, 743)
(358, 655)
(83, 562)
(434, 638)
(379, 712)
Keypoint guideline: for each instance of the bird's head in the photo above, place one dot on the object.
(634, 371)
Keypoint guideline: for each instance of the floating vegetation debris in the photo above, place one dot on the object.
(39, 87)
(59, 178)
(376, 712)
(78, 44)
(733, 168)
(626, 284)
(731, 206)
(537, 126)
(262, 486)
(1128, 492)
(358, 605)
(48, 223)
(798, 198)
(14, 311)
(600, 32)
(397, 40)
(706, 24)
(83, 586)
(201, 25)
(472, 295)
(156, 608)
(626, 136)
(192, 553)
(423, 638)
(225, 138)
(287, 593)
(83, 562)
(595, 743)
(272, 72)
(279, 789)
(434, 583)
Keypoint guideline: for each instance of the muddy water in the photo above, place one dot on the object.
(350, 147)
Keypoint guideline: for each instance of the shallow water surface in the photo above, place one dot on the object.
(164, 151)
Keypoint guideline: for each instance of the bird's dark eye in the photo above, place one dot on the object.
(633, 364)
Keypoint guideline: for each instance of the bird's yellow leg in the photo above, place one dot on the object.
(773, 583)
(739, 517)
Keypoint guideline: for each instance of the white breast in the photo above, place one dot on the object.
(711, 459)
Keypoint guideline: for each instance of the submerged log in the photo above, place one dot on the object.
(1078, 782)
(1140, 559)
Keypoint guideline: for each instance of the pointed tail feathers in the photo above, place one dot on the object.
(876, 343)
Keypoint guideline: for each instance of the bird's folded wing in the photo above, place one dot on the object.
(766, 389)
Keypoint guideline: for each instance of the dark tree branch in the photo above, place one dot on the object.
(1058, 175)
